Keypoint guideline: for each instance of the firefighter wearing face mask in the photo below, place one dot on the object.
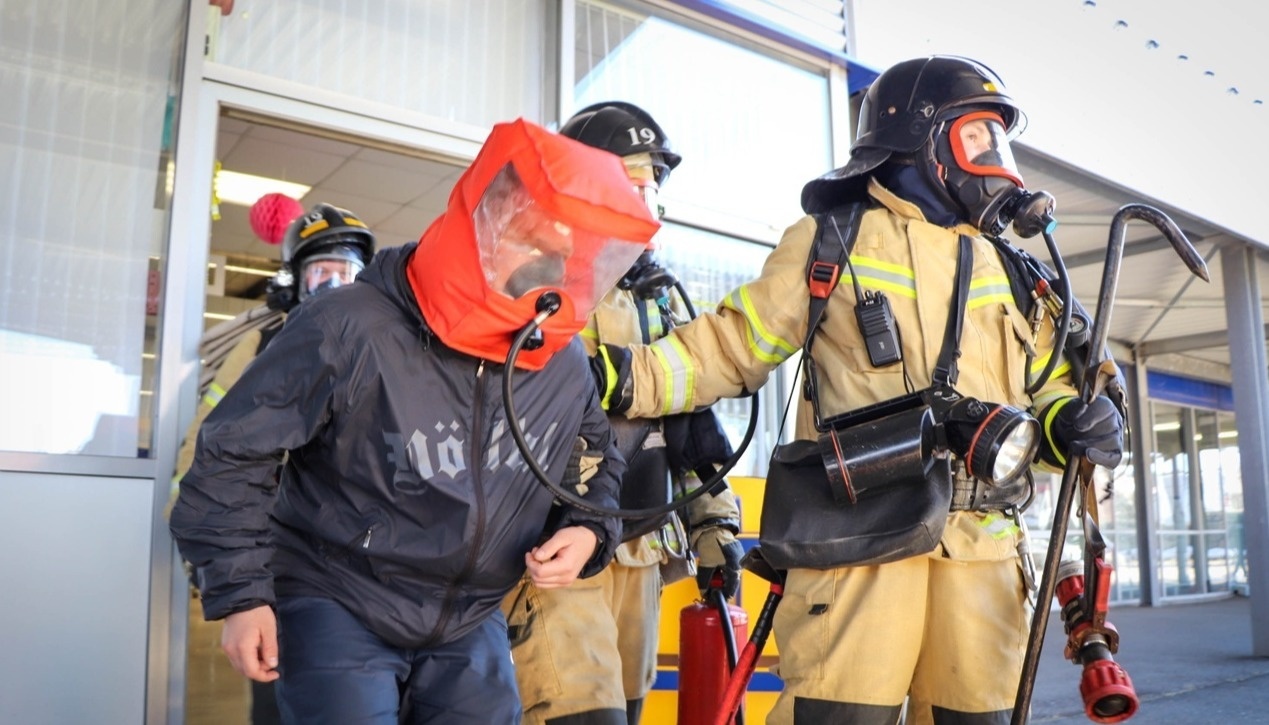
(322, 249)
(587, 654)
(945, 629)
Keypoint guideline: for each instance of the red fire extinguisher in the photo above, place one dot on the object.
(704, 663)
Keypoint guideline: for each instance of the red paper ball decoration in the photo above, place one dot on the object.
(271, 214)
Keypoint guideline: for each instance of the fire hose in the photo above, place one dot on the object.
(1092, 641)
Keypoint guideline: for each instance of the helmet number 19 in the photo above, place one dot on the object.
(645, 136)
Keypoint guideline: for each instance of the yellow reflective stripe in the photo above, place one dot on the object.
(1049, 417)
(610, 378)
(766, 347)
(1062, 368)
(877, 274)
(314, 228)
(680, 377)
(998, 527)
(213, 396)
(589, 334)
(1038, 364)
(655, 328)
(987, 290)
(882, 267)
(1038, 402)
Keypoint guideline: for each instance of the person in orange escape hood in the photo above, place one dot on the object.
(529, 234)
(367, 582)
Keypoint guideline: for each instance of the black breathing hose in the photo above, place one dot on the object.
(547, 305)
(1063, 325)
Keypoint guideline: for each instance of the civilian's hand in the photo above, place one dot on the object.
(558, 561)
(250, 641)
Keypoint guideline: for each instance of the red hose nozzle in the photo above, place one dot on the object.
(1107, 692)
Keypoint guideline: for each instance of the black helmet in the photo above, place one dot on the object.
(325, 232)
(899, 111)
(623, 129)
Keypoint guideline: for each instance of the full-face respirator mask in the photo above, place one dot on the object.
(971, 159)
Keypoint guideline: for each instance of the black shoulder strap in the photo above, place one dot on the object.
(823, 272)
(825, 262)
(1024, 272)
(827, 257)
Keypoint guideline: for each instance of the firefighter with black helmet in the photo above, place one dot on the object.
(587, 654)
(930, 182)
(322, 249)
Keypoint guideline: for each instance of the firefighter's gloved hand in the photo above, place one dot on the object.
(718, 552)
(582, 465)
(611, 367)
(1094, 431)
(695, 440)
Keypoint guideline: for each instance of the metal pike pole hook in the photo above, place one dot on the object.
(1079, 470)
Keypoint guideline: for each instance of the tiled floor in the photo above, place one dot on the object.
(214, 693)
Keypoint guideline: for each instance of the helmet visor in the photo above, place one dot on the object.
(523, 248)
(981, 146)
(322, 273)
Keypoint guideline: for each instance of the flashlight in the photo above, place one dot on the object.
(898, 439)
(996, 442)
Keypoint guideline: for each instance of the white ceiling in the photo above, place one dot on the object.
(395, 194)
(398, 195)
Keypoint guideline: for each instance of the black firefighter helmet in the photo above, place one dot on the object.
(899, 113)
(324, 233)
(623, 129)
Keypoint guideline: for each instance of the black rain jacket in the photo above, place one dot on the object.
(403, 496)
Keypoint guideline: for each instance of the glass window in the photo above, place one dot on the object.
(472, 62)
(1198, 492)
(85, 141)
(752, 128)
(1115, 522)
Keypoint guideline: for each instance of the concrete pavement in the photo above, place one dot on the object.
(1191, 664)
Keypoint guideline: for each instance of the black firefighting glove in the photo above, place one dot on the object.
(1073, 428)
(713, 522)
(611, 367)
(718, 559)
(696, 442)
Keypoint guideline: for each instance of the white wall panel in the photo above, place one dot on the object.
(74, 598)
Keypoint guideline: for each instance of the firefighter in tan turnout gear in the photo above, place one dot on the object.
(586, 655)
(946, 628)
